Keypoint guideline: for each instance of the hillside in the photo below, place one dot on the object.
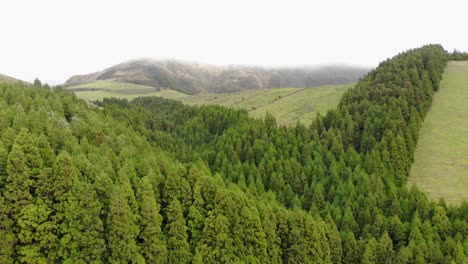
(287, 105)
(98, 90)
(440, 168)
(193, 78)
(8, 79)
(155, 181)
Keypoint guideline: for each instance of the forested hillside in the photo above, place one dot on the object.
(156, 181)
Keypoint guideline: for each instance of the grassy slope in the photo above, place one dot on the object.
(100, 89)
(441, 159)
(287, 104)
(8, 79)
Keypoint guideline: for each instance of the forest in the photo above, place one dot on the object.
(155, 181)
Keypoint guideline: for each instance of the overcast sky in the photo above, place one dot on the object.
(54, 39)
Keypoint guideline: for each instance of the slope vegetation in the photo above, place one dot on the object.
(193, 78)
(441, 161)
(287, 105)
(98, 90)
(156, 181)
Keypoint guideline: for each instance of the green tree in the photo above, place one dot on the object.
(83, 230)
(37, 83)
(152, 244)
(23, 166)
(122, 229)
(274, 241)
(334, 240)
(54, 187)
(370, 253)
(3, 165)
(37, 237)
(177, 238)
(8, 240)
(385, 251)
(216, 245)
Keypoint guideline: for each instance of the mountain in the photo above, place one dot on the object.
(195, 78)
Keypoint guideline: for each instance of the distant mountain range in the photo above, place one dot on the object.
(192, 78)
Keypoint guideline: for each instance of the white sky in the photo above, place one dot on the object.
(54, 39)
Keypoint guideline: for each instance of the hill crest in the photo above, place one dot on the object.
(193, 78)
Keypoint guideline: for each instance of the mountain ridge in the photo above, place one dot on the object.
(194, 78)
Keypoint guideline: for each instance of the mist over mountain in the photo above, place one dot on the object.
(194, 78)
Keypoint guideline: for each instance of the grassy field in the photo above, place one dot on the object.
(287, 104)
(101, 89)
(441, 159)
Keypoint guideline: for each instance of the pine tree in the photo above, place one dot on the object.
(37, 237)
(152, 244)
(55, 186)
(3, 165)
(8, 238)
(348, 223)
(37, 83)
(216, 244)
(122, 229)
(83, 230)
(318, 249)
(297, 247)
(177, 187)
(177, 238)
(274, 241)
(334, 240)
(370, 253)
(350, 248)
(23, 166)
(385, 249)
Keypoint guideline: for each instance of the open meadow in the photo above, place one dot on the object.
(440, 168)
(288, 105)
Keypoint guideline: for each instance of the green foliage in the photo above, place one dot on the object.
(458, 55)
(156, 181)
(177, 238)
(122, 229)
(152, 245)
(83, 229)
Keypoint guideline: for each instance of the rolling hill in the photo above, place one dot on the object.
(8, 79)
(100, 89)
(288, 105)
(191, 78)
(440, 168)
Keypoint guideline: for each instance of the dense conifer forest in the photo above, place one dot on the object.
(155, 181)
